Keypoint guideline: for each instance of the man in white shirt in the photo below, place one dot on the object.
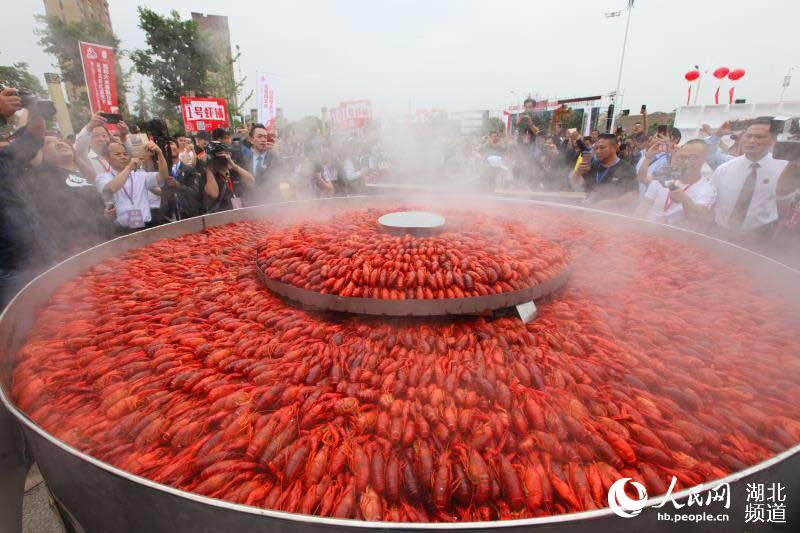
(689, 199)
(91, 141)
(746, 208)
(129, 186)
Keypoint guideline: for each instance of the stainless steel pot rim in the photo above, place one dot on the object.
(564, 518)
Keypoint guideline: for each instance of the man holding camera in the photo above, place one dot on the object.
(683, 197)
(23, 250)
(526, 129)
(747, 209)
(222, 178)
(91, 142)
(128, 185)
(608, 181)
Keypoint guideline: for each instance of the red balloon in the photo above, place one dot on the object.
(736, 74)
(721, 72)
(692, 75)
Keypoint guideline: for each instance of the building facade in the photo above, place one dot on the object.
(79, 11)
(216, 35)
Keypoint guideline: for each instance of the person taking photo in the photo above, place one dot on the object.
(687, 198)
(609, 182)
(223, 179)
(128, 184)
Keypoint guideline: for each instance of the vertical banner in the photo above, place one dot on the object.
(267, 103)
(98, 69)
(203, 114)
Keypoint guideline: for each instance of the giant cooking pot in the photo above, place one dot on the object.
(101, 497)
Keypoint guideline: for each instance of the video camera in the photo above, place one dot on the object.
(214, 151)
(668, 176)
(787, 131)
(36, 106)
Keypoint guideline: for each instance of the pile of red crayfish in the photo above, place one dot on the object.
(349, 255)
(656, 360)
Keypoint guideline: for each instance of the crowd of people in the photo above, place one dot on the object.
(725, 183)
(61, 196)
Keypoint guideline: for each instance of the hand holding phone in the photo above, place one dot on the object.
(111, 118)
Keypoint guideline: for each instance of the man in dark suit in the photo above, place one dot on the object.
(260, 161)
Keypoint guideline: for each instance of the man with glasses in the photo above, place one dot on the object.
(747, 209)
(687, 198)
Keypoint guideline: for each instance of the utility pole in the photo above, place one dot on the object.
(622, 57)
(697, 92)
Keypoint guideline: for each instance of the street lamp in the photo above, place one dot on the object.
(629, 8)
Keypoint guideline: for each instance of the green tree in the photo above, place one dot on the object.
(60, 39)
(174, 60)
(141, 106)
(18, 75)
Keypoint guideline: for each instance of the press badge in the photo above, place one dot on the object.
(236, 202)
(135, 218)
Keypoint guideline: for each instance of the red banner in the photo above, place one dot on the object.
(351, 115)
(98, 69)
(203, 114)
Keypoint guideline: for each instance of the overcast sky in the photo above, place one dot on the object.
(460, 54)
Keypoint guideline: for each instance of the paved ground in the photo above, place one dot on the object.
(38, 514)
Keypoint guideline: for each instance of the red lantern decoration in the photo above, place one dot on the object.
(736, 74)
(692, 75)
(721, 72)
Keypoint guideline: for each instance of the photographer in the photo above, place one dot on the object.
(608, 181)
(182, 196)
(684, 198)
(717, 150)
(67, 204)
(526, 129)
(23, 252)
(658, 153)
(128, 186)
(223, 179)
(10, 103)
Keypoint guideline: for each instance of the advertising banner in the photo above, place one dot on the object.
(267, 100)
(203, 114)
(98, 69)
(355, 114)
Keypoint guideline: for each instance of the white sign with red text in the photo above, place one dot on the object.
(267, 101)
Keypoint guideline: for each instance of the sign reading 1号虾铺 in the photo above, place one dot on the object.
(203, 114)
(101, 84)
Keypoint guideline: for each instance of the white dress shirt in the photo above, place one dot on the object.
(665, 211)
(263, 156)
(729, 178)
(133, 196)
